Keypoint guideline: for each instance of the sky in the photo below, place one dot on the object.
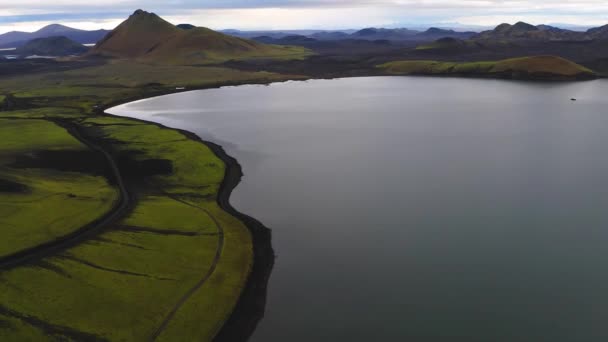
(30, 15)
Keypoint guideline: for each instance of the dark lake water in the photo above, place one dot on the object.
(419, 209)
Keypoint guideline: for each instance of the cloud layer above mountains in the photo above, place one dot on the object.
(298, 14)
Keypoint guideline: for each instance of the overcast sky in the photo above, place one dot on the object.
(29, 15)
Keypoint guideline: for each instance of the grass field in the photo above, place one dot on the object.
(172, 269)
(82, 89)
(135, 272)
(50, 203)
(525, 67)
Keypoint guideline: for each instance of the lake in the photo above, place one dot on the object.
(419, 209)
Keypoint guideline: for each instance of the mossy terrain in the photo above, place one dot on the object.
(537, 67)
(46, 200)
(171, 268)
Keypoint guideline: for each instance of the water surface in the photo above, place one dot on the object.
(419, 209)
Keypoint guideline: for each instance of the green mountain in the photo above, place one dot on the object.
(146, 37)
(52, 46)
(526, 31)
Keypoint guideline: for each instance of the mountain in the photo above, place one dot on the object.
(373, 33)
(502, 33)
(543, 27)
(16, 38)
(55, 30)
(139, 34)
(598, 32)
(287, 40)
(51, 46)
(399, 34)
(434, 33)
(272, 33)
(525, 31)
(147, 37)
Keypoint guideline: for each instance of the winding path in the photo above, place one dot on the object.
(50, 248)
(203, 280)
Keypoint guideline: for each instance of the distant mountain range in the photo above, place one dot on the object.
(518, 31)
(147, 37)
(372, 33)
(279, 34)
(16, 39)
(406, 34)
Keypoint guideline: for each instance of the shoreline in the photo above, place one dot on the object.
(250, 307)
(503, 77)
(163, 91)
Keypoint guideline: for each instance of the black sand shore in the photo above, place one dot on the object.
(251, 305)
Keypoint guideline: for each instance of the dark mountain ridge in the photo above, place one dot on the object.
(370, 33)
(503, 32)
(17, 38)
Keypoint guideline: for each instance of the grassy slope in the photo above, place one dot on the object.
(149, 38)
(217, 48)
(55, 203)
(120, 79)
(123, 284)
(136, 36)
(525, 67)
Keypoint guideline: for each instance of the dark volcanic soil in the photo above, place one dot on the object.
(65, 160)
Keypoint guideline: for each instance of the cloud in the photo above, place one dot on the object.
(282, 14)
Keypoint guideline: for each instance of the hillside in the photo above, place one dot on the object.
(525, 31)
(147, 37)
(537, 67)
(136, 36)
(52, 46)
(17, 39)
